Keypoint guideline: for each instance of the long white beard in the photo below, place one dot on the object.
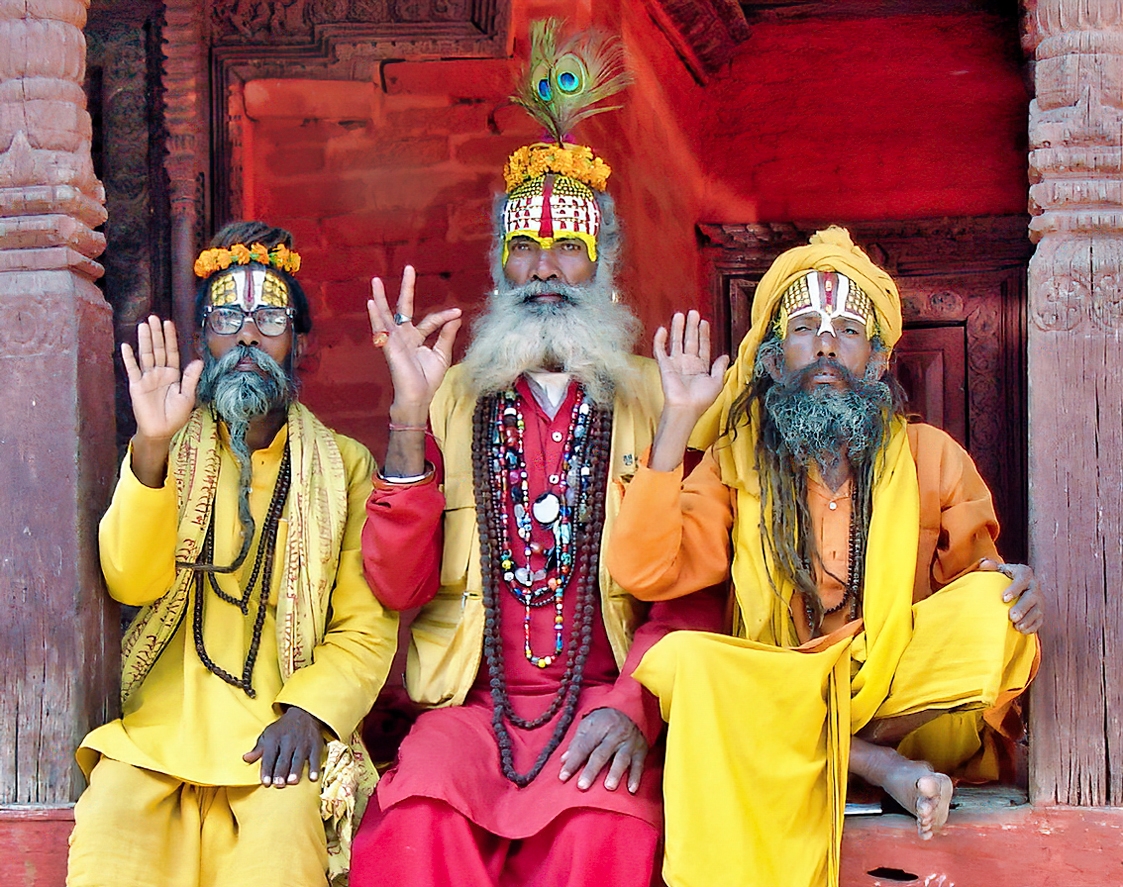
(586, 334)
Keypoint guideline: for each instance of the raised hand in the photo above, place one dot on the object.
(690, 384)
(416, 369)
(162, 397)
(690, 381)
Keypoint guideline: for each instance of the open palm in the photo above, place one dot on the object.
(690, 382)
(162, 396)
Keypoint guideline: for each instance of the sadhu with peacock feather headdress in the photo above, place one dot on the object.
(551, 184)
(532, 764)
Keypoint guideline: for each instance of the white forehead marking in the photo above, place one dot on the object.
(828, 313)
(249, 286)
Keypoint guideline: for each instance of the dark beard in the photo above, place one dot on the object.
(239, 396)
(824, 424)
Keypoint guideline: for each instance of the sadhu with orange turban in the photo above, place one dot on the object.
(876, 630)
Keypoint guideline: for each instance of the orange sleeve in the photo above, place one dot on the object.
(671, 537)
(965, 527)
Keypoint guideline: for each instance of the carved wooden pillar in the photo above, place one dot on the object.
(59, 636)
(1076, 396)
(186, 97)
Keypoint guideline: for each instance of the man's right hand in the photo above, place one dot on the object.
(690, 385)
(416, 370)
(162, 397)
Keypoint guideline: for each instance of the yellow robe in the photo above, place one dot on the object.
(183, 720)
(758, 744)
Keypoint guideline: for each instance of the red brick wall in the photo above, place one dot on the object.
(905, 116)
(899, 117)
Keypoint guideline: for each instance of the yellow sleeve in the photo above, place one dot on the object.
(671, 536)
(137, 539)
(351, 663)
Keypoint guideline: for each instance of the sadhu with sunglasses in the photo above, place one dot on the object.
(235, 526)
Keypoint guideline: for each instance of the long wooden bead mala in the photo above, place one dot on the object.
(262, 568)
(588, 527)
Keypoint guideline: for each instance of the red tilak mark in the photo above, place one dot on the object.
(546, 225)
(249, 296)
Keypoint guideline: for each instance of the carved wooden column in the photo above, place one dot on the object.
(1076, 396)
(185, 99)
(59, 635)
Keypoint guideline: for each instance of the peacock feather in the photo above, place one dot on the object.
(564, 83)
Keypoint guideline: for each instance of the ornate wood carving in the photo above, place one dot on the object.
(705, 32)
(1075, 410)
(123, 85)
(57, 665)
(330, 40)
(186, 92)
(962, 273)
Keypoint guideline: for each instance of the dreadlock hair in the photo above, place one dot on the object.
(785, 519)
(268, 236)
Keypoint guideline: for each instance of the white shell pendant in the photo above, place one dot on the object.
(546, 509)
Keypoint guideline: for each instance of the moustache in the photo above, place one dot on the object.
(239, 354)
(797, 379)
(527, 293)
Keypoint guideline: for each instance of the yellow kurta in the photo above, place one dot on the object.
(183, 720)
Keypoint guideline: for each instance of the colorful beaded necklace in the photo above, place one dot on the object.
(553, 510)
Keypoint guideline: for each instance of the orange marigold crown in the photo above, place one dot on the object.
(221, 258)
(573, 161)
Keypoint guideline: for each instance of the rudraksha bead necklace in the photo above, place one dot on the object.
(587, 529)
(262, 569)
(855, 572)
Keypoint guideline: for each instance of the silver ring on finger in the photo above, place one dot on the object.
(399, 319)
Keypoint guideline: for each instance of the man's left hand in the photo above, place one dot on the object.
(285, 746)
(1028, 614)
(604, 735)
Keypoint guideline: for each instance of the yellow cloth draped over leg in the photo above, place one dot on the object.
(758, 746)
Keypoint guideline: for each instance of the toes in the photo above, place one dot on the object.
(932, 803)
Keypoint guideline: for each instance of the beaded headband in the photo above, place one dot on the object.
(551, 185)
(829, 295)
(221, 258)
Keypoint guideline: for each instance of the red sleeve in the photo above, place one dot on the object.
(704, 610)
(402, 538)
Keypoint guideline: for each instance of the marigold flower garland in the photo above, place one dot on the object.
(574, 161)
(220, 258)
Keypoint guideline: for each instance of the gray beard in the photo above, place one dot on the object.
(825, 424)
(586, 335)
(239, 396)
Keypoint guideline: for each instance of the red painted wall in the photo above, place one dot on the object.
(898, 117)
(901, 117)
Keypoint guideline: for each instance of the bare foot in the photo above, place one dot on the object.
(917, 787)
(912, 784)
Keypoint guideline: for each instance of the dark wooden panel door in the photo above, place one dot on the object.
(931, 364)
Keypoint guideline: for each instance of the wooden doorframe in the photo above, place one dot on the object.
(965, 271)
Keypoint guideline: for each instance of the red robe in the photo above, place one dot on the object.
(451, 755)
